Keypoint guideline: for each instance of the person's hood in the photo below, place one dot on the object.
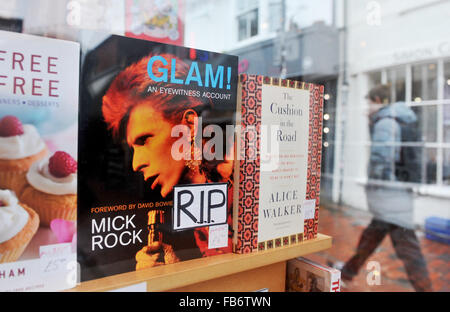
(399, 111)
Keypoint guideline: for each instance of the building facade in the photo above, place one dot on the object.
(405, 44)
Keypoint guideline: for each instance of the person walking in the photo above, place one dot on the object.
(391, 203)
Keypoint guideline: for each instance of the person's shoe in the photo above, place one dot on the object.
(336, 265)
(339, 265)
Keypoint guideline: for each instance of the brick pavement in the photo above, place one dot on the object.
(345, 225)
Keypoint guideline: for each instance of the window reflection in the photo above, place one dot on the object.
(397, 80)
(429, 170)
(446, 105)
(447, 80)
(248, 24)
(446, 169)
(427, 122)
(424, 82)
(347, 46)
(375, 78)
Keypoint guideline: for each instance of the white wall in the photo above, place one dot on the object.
(209, 25)
(11, 9)
(404, 26)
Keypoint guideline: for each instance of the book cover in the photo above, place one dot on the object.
(155, 156)
(38, 162)
(277, 175)
(304, 275)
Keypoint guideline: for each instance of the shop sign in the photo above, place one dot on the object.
(422, 53)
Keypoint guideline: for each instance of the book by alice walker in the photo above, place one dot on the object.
(38, 167)
(155, 157)
(277, 175)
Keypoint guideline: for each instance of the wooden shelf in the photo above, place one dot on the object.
(182, 274)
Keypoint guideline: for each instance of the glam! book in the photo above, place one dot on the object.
(38, 162)
(277, 175)
(155, 157)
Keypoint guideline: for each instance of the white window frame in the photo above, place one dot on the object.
(439, 102)
(246, 11)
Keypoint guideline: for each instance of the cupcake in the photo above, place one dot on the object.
(20, 146)
(50, 188)
(18, 224)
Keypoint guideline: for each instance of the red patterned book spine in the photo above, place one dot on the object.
(248, 166)
(314, 156)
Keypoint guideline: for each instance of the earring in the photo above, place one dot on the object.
(194, 159)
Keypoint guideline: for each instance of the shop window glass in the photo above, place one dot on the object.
(248, 25)
(426, 122)
(446, 112)
(374, 78)
(446, 167)
(396, 78)
(409, 167)
(420, 167)
(424, 82)
(242, 28)
(429, 166)
(447, 80)
(275, 17)
(253, 23)
(417, 68)
(446, 105)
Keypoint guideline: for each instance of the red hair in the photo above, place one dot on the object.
(132, 87)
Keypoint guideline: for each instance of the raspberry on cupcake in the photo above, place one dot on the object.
(20, 146)
(10, 126)
(50, 188)
(62, 165)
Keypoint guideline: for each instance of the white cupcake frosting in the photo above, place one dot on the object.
(13, 217)
(20, 146)
(41, 179)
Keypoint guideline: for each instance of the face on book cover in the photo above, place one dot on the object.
(149, 135)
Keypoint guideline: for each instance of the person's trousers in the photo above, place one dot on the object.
(406, 246)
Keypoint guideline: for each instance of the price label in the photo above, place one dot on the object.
(54, 259)
(309, 208)
(218, 236)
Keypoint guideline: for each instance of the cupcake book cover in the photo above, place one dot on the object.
(38, 162)
(155, 157)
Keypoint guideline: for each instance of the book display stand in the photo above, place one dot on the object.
(228, 272)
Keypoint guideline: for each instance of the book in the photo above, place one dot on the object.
(155, 159)
(277, 172)
(39, 80)
(304, 275)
